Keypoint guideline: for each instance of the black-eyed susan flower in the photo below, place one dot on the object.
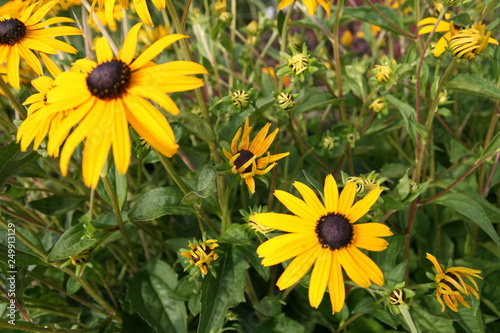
(452, 284)
(311, 5)
(327, 236)
(244, 156)
(35, 129)
(19, 37)
(112, 93)
(202, 254)
(382, 73)
(467, 43)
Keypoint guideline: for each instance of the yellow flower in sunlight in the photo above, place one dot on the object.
(141, 7)
(202, 254)
(243, 155)
(35, 128)
(427, 25)
(14, 8)
(451, 284)
(311, 5)
(20, 37)
(326, 235)
(112, 93)
(467, 43)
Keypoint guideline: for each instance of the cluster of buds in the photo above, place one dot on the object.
(298, 63)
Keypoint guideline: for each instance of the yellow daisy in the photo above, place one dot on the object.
(451, 284)
(112, 93)
(35, 127)
(311, 5)
(18, 37)
(243, 156)
(141, 7)
(467, 43)
(326, 235)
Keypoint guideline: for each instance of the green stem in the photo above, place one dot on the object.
(119, 221)
(284, 39)
(12, 99)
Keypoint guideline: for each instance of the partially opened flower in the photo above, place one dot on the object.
(467, 43)
(201, 254)
(311, 5)
(327, 236)
(244, 155)
(112, 93)
(452, 284)
(20, 37)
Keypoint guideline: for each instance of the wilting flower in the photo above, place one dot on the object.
(20, 37)
(202, 254)
(243, 155)
(451, 284)
(466, 43)
(112, 93)
(326, 235)
(311, 5)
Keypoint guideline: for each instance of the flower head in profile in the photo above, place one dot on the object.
(453, 283)
(19, 37)
(311, 5)
(244, 156)
(467, 43)
(110, 94)
(201, 254)
(327, 236)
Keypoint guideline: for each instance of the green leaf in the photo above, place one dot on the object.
(119, 184)
(159, 202)
(316, 99)
(496, 63)
(475, 85)
(12, 160)
(249, 250)
(408, 114)
(148, 294)
(367, 14)
(221, 293)
(468, 207)
(471, 319)
(196, 125)
(427, 322)
(493, 146)
(283, 324)
(462, 19)
(237, 234)
(24, 255)
(205, 181)
(56, 204)
(269, 306)
(71, 243)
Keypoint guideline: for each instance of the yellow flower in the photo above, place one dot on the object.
(201, 255)
(243, 155)
(382, 73)
(378, 105)
(18, 37)
(427, 25)
(286, 101)
(347, 38)
(311, 5)
(110, 94)
(101, 15)
(141, 7)
(451, 284)
(327, 236)
(467, 43)
(14, 8)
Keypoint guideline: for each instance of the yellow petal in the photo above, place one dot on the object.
(355, 273)
(284, 247)
(347, 198)
(365, 263)
(319, 277)
(141, 7)
(103, 50)
(310, 198)
(435, 262)
(362, 207)
(331, 194)
(155, 49)
(127, 52)
(298, 268)
(296, 206)
(336, 284)
(121, 138)
(285, 222)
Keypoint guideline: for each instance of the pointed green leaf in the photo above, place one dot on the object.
(12, 160)
(367, 14)
(221, 293)
(474, 84)
(469, 208)
(56, 204)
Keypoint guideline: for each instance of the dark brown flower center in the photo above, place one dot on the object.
(109, 79)
(452, 287)
(12, 31)
(334, 231)
(245, 156)
(207, 251)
